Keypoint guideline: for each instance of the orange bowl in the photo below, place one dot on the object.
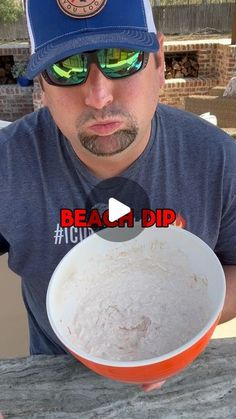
(87, 266)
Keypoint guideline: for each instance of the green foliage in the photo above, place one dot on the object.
(10, 10)
(19, 69)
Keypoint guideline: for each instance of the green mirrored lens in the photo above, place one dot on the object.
(117, 63)
(114, 63)
(71, 71)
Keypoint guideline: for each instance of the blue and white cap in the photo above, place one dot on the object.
(61, 28)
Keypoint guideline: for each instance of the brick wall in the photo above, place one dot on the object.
(217, 64)
(20, 51)
(206, 53)
(226, 62)
(177, 89)
(15, 102)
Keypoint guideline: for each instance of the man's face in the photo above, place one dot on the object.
(105, 117)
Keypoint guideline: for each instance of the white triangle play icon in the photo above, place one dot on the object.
(116, 209)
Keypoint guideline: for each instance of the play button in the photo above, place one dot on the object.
(117, 209)
(118, 196)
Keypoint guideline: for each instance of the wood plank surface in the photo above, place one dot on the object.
(60, 387)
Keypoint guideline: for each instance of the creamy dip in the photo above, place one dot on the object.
(140, 305)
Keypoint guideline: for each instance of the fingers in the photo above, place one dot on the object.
(153, 386)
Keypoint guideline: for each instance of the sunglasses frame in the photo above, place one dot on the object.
(92, 58)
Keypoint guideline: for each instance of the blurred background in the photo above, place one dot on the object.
(13, 319)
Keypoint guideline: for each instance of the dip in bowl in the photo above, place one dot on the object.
(138, 311)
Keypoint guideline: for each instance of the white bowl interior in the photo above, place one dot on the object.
(92, 253)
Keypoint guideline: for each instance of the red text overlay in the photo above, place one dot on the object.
(88, 218)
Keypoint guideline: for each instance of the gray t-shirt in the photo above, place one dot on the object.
(188, 165)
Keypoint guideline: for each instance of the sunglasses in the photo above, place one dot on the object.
(114, 63)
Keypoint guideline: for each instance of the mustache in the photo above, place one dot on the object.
(106, 113)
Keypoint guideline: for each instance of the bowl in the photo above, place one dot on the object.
(139, 311)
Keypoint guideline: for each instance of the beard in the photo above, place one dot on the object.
(108, 145)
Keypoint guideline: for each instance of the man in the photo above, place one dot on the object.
(101, 67)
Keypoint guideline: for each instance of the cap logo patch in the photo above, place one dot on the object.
(81, 8)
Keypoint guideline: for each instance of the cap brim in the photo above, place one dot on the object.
(56, 50)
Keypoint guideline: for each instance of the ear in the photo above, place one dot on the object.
(43, 98)
(161, 38)
(161, 59)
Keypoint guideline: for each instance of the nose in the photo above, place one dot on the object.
(98, 89)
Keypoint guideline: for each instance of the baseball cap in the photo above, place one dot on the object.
(61, 28)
